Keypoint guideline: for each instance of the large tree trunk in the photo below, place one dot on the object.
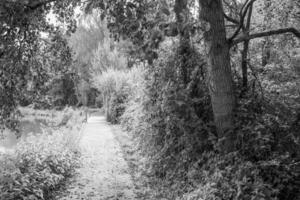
(219, 70)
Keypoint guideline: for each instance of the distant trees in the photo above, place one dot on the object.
(94, 53)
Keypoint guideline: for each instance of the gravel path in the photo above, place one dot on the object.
(104, 174)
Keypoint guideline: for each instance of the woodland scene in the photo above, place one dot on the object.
(149, 100)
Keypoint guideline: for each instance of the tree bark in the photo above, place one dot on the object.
(219, 70)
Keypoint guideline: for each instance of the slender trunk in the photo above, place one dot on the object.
(266, 52)
(245, 66)
(245, 52)
(296, 65)
(219, 70)
(181, 12)
(266, 48)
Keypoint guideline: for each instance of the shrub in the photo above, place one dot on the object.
(234, 177)
(170, 113)
(40, 164)
(265, 165)
(116, 86)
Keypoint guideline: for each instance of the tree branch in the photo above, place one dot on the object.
(266, 34)
(243, 12)
(244, 5)
(248, 23)
(234, 21)
(33, 5)
(36, 4)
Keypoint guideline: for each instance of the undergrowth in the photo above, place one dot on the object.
(41, 163)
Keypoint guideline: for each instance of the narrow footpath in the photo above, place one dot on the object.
(104, 174)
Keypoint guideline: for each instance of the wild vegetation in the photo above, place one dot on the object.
(208, 89)
(41, 162)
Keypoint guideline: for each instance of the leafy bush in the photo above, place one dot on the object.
(40, 164)
(116, 87)
(265, 165)
(170, 113)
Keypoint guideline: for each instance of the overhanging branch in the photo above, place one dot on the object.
(266, 34)
(36, 4)
(32, 5)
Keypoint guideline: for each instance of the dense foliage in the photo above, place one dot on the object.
(42, 163)
(168, 111)
(32, 52)
(183, 150)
